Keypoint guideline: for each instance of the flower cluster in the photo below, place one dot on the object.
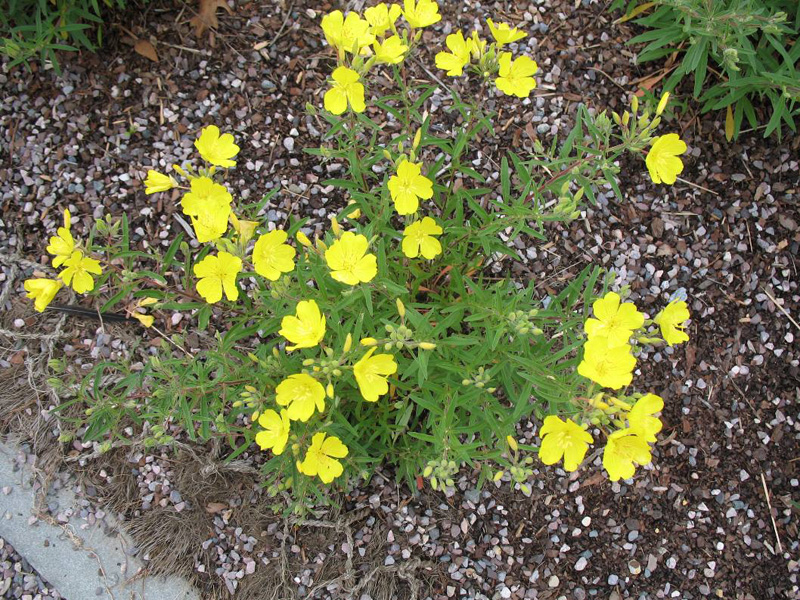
(302, 395)
(609, 361)
(513, 76)
(78, 268)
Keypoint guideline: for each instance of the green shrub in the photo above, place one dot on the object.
(737, 50)
(32, 28)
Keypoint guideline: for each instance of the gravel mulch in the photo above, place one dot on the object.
(19, 580)
(714, 515)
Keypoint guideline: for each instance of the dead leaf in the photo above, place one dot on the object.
(215, 507)
(206, 17)
(729, 125)
(146, 49)
(691, 354)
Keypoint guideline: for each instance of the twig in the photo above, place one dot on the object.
(698, 186)
(783, 310)
(769, 505)
(283, 25)
(611, 79)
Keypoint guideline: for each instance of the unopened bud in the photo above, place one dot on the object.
(369, 341)
(302, 238)
(512, 443)
(337, 230)
(427, 345)
(401, 308)
(662, 104)
(329, 390)
(348, 343)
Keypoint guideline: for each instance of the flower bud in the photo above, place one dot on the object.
(354, 214)
(635, 104)
(512, 443)
(348, 343)
(498, 476)
(337, 230)
(302, 238)
(427, 345)
(401, 308)
(662, 104)
(329, 390)
(427, 472)
(369, 341)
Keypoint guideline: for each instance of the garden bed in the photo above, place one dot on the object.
(697, 524)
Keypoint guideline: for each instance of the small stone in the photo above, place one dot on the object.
(288, 143)
(553, 581)
(581, 564)
(635, 567)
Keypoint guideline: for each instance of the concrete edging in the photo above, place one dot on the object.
(82, 564)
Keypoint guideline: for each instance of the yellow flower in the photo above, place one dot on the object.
(614, 321)
(610, 367)
(671, 321)
(216, 273)
(408, 186)
(301, 393)
(215, 148)
(418, 239)
(350, 34)
(624, 449)
(345, 89)
(391, 51)
(78, 272)
(321, 458)
(146, 320)
(271, 256)
(421, 13)
(516, 78)
(504, 34)
(459, 56)
(349, 261)
(371, 372)
(42, 291)
(158, 182)
(209, 206)
(381, 17)
(566, 440)
(662, 159)
(306, 328)
(62, 244)
(276, 431)
(641, 419)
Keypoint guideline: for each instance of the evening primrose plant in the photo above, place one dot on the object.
(393, 335)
